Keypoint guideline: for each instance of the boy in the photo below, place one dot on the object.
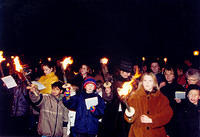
(53, 115)
(89, 108)
(191, 113)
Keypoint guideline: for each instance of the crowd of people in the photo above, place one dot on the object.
(163, 102)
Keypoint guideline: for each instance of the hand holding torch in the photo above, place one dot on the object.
(126, 89)
(19, 68)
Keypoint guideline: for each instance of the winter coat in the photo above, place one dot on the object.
(85, 121)
(53, 115)
(190, 119)
(47, 80)
(156, 106)
(160, 78)
(114, 122)
(174, 127)
(169, 91)
(20, 104)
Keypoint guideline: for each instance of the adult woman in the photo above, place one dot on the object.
(193, 77)
(150, 109)
(78, 80)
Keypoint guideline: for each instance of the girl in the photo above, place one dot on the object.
(48, 78)
(149, 109)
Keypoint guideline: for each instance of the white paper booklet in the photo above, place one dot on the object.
(91, 102)
(40, 85)
(9, 81)
(180, 94)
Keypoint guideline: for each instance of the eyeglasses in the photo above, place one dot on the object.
(192, 80)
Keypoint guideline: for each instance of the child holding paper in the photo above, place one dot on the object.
(89, 107)
(191, 112)
(53, 117)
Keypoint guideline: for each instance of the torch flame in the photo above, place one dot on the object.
(1, 56)
(49, 59)
(66, 62)
(143, 58)
(128, 86)
(18, 66)
(165, 59)
(8, 64)
(104, 60)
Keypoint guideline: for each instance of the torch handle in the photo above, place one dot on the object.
(64, 77)
(29, 83)
(127, 106)
(2, 74)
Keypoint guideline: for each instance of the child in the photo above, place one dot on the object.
(191, 113)
(149, 109)
(86, 121)
(49, 77)
(53, 115)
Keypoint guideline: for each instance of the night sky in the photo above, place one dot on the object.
(94, 28)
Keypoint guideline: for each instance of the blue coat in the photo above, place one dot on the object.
(85, 121)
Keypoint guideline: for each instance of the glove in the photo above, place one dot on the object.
(130, 113)
(92, 108)
(67, 93)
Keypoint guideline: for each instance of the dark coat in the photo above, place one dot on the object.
(174, 127)
(156, 106)
(20, 104)
(85, 121)
(190, 119)
(78, 81)
(113, 120)
(160, 78)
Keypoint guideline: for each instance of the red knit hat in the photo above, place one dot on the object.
(89, 80)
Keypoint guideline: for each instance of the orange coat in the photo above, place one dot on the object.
(154, 105)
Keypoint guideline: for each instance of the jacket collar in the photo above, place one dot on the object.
(57, 99)
(50, 74)
(142, 92)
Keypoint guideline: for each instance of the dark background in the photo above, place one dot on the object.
(90, 29)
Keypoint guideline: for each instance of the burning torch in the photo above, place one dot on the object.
(19, 68)
(127, 87)
(1, 60)
(65, 63)
(104, 67)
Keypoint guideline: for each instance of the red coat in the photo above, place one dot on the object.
(156, 106)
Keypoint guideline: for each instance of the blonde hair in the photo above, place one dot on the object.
(155, 82)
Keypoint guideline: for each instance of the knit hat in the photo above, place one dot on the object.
(89, 80)
(126, 65)
(191, 87)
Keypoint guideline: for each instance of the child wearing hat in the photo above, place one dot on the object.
(89, 107)
(191, 112)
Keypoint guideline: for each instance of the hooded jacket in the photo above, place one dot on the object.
(156, 106)
(53, 115)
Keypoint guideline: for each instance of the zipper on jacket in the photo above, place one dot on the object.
(56, 121)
